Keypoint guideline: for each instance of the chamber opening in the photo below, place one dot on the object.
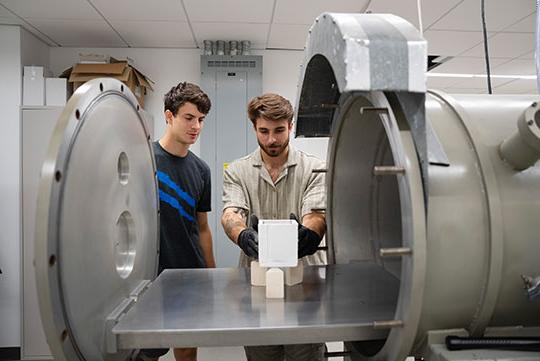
(364, 208)
(318, 99)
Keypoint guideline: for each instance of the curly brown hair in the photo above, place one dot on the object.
(270, 106)
(186, 92)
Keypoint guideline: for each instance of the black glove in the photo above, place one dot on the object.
(248, 239)
(308, 240)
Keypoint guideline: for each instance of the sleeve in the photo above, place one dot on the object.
(315, 192)
(205, 203)
(233, 194)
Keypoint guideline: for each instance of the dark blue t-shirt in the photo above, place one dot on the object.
(184, 190)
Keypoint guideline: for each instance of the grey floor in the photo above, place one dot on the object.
(237, 353)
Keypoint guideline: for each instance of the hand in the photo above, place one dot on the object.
(308, 240)
(248, 239)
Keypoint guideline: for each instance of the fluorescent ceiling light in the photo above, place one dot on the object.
(494, 76)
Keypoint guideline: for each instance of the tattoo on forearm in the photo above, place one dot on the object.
(241, 212)
(233, 218)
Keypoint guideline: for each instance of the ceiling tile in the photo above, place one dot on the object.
(516, 67)
(256, 33)
(53, 9)
(478, 83)
(519, 86)
(529, 55)
(305, 11)
(442, 42)
(79, 33)
(155, 34)
(499, 15)
(234, 11)
(526, 25)
(155, 10)
(505, 45)
(404, 8)
(467, 65)
(440, 82)
(288, 36)
(7, 18)
(5, 13)
(407, 9)
(465, 90)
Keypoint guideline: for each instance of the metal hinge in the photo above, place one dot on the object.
(119, 311)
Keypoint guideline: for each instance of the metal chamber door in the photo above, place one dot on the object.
(97, 219)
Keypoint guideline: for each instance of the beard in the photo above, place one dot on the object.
(274, 150)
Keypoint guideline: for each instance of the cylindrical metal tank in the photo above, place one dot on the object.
(460, 261)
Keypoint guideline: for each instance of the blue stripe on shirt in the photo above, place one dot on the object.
(173, 202)
(163, 177)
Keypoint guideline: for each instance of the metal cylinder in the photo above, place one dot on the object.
(481, 222)
(207, 47)
(246, 47)
(522, 149)
(233, 47)
(220, 47)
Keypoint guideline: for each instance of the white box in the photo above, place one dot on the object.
(33, 86)
(258, 274)
(278, 243)
(55, 91)
(33, 71)
(275, 288)
(294, 275)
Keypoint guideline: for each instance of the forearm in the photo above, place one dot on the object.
(234, 221)
(316, 222)
(205, 238)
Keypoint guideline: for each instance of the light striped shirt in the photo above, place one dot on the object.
(247, 184)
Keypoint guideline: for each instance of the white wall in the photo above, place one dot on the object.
(33, 50)
(167, 67)
(10, 219)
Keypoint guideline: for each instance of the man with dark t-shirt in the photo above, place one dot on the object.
(184, 192)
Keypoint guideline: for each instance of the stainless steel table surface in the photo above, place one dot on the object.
(219, 307)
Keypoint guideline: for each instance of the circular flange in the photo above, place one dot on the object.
(97, 218)
(368, 133)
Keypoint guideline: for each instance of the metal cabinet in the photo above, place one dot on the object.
(230, 81)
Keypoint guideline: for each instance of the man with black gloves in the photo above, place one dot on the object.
(308, 240)
(248, 239)
(276, 181)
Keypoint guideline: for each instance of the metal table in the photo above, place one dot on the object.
(217, 307)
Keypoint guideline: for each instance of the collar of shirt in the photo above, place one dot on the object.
(292, 160)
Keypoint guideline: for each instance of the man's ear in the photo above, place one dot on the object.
(168, 116)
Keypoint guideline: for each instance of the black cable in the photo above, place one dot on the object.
(503, 343)
(486, 50)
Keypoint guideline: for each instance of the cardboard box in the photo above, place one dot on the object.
(33, 86)
(55, 91)
(121, 70)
